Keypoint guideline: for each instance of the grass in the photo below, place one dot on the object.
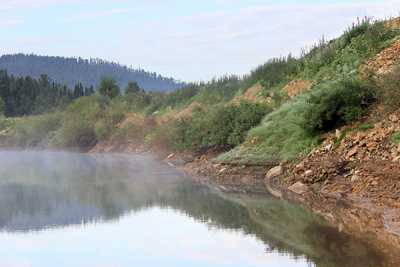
(30, 131)
(365, 126)
(279, 137)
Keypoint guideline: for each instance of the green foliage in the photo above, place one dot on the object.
(181, 96)
(2, 107)
(222, 126)
(279, 137)
(389, 89)
(6, 123)
(22, 96)
(396, 138)
(336, 103)
(132, 88)
(88, 120)
(275, 71)
(293, 129)
(365, 126)
(35, 130)
(320, 55)
(218, 90)
(88, 71)
(357, 29)
(109, 87)
(330, 60)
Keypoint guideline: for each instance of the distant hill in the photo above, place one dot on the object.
(70, 71)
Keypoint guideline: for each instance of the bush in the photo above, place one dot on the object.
(33, 130)
(109, 87)
(396, 138)
(389, 89)
(279, 137)
(2, 107)
(357, 29)
(222, 126)
(88, 120)
(293, 129)
(336, 103)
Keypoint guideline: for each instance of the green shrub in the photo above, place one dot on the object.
(336, 103)
(279, 137)
(109, 87)
(357, 29)
(33, 130)
(396, 138)
(88, 120)
(2, 107)
(293, 129)
(365, 127)
(76, 134)
(389, 89)
(222, 126)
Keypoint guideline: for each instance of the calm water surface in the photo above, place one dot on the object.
(67, 209)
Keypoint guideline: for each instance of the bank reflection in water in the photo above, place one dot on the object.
(133, 205)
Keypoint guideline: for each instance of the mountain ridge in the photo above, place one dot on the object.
(70, 71)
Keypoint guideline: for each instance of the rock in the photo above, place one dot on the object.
(308, 173)
(299, 188)
(393, 118)
(300, 166)
(170, 156)
(352, 152)
(274, 172)
(328, 147)
(222, 170)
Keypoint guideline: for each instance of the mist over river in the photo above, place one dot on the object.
(118, 210)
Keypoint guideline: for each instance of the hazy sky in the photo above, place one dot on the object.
(186, 39)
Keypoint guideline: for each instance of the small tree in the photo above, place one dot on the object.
(109, 87)
(132, 88)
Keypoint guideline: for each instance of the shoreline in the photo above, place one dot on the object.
(364, 221)
(343, 212)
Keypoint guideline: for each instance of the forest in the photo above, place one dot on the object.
(21, 96)
(88, 72)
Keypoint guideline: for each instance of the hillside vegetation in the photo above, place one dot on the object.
(70, 71)
(280, 111)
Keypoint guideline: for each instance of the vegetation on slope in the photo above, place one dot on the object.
(264, 129)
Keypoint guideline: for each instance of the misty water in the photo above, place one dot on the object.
(70, 209)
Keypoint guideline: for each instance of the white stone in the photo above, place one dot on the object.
(274, 172)
(299, 188)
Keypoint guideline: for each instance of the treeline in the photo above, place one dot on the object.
(89, 72)
(20, 96)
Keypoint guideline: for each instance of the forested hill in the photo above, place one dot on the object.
(70, 71)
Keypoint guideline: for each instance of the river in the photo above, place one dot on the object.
(115, 210)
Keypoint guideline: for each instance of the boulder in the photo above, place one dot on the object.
(274, 172)
(299, 188)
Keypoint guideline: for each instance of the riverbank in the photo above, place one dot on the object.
(327, 181)
(357, 217)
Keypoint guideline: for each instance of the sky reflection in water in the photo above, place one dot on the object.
(66, 209)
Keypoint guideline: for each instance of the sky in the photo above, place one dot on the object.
(189, 40)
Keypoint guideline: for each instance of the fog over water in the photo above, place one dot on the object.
(70, 209)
